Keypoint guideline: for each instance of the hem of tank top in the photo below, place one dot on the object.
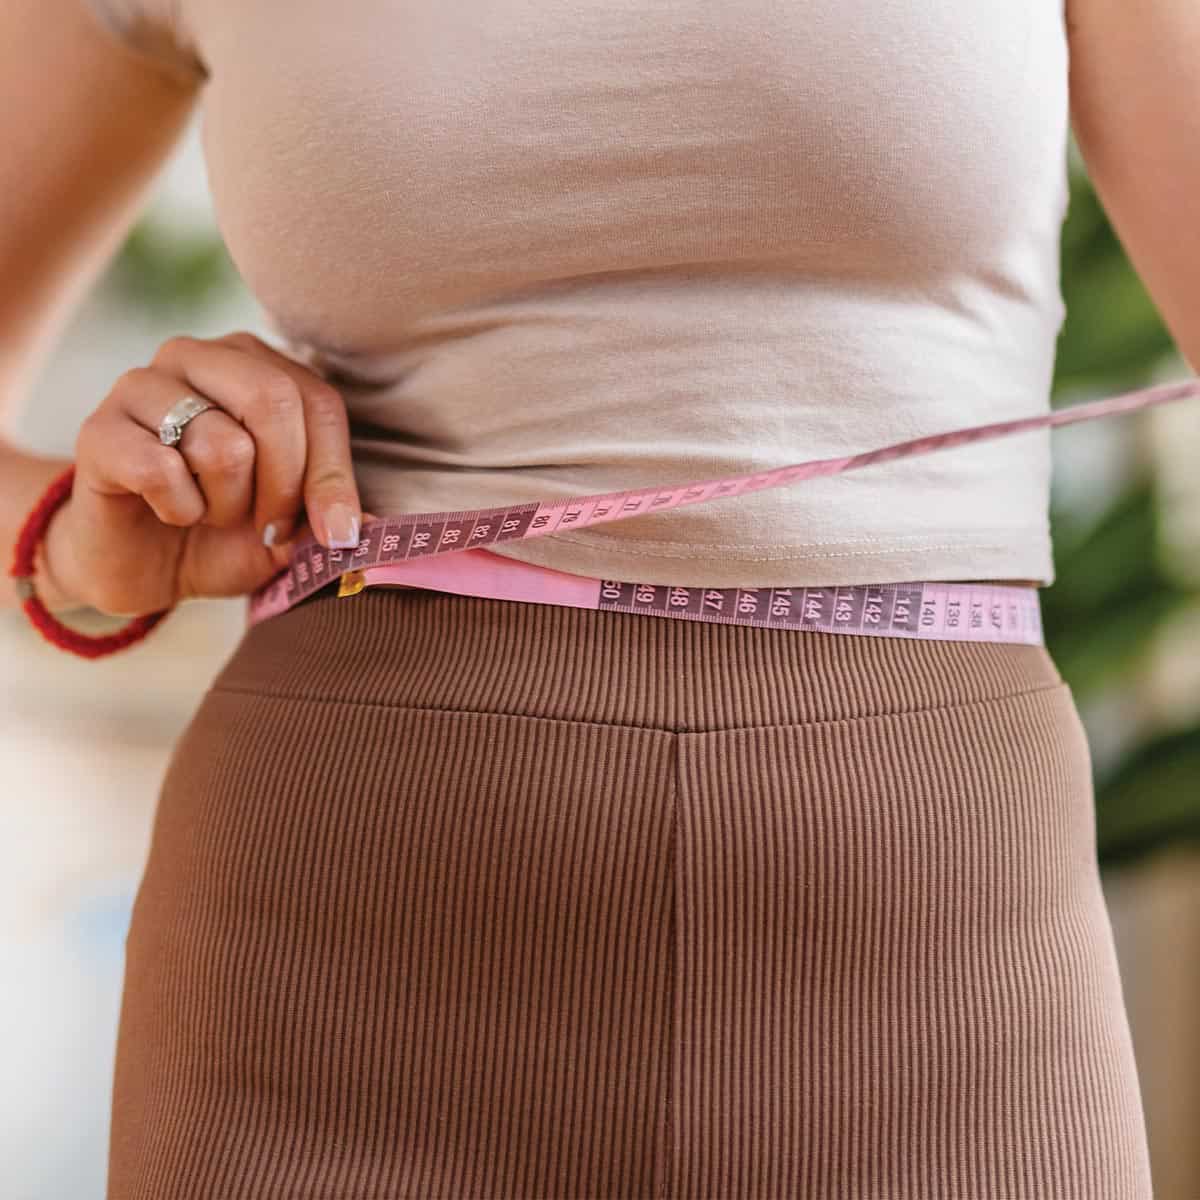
(940, 571)
(1022, 583)
(1038, 583)
(794, 550)
(1032, 583)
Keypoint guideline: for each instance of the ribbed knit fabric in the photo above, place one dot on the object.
(459, 898)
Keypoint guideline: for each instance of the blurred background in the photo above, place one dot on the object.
(84, 744)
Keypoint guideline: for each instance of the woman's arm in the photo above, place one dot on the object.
(85, 125)
(1135, 108)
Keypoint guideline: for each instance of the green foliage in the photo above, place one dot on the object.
(1113, 594)
(161, 270)
(1112, 337)
(1152, 798)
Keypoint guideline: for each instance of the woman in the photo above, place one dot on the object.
(455, 896)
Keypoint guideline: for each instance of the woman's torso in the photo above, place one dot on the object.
(556, 248)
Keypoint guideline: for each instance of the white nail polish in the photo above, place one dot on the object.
(268, 535)
(342, 525)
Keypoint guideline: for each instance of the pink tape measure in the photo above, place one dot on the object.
(446, 551)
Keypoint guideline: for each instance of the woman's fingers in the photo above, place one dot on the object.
(217, 449)
(266, 401)
(330, 492)
(265, 390)
(122, 459)
(153, 522)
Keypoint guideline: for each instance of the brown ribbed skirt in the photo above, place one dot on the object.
(451, 897)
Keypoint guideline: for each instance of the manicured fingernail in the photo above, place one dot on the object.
(341, 523)
(276, 531)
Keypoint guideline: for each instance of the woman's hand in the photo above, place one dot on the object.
(148, 525)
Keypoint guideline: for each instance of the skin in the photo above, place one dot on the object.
(86, 124)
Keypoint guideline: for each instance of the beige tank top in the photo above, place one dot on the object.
(554, 247)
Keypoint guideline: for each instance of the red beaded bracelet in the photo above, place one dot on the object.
(23, 569)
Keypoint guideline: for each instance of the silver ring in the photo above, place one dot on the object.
(171, 427)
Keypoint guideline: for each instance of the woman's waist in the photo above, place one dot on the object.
(927, 610)
(422, 647)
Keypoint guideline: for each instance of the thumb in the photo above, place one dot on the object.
(281, 552)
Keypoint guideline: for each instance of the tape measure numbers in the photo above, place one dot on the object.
(447, 551)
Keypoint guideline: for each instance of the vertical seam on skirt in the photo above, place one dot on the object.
(667, 1151)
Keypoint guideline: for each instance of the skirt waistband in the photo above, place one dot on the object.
(413, 647)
